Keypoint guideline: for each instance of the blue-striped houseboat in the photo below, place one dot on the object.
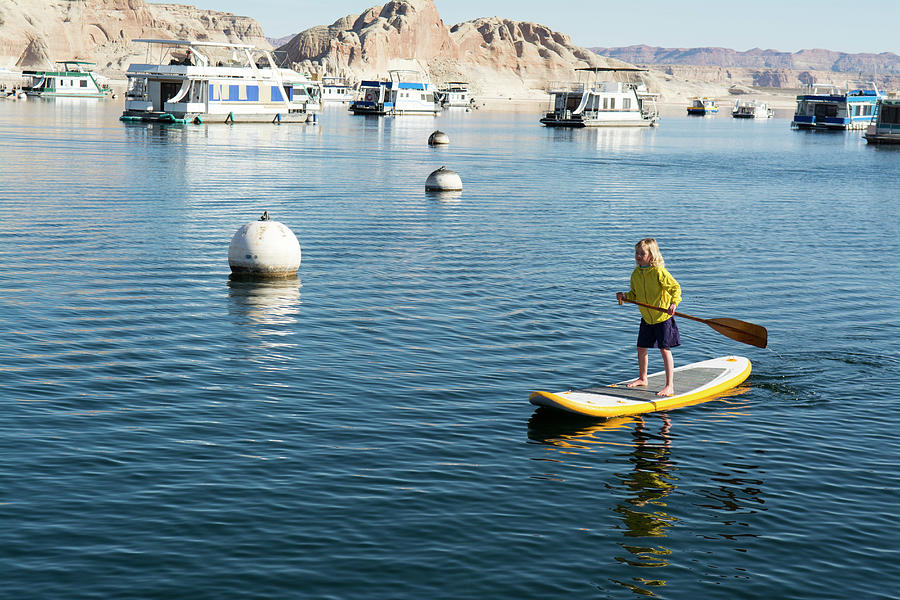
(827, 107)
(195, 81)
(405, 92)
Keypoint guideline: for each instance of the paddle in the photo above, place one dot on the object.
(741, 331)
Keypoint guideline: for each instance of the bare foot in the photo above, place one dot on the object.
(637, 383)
(666, 391)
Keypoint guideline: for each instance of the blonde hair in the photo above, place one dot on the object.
(650, 246)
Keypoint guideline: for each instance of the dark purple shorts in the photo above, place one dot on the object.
(659, 335)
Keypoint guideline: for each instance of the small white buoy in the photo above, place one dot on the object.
(438, 138)
(443, 180)
(264, 248)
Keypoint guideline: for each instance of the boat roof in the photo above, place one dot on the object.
(602, 69)
(193, 43)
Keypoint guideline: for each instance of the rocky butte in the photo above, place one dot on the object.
(497, 56)
(35, 33)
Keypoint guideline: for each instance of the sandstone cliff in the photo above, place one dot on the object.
(35, 33)
(765, 68)
(497, 56)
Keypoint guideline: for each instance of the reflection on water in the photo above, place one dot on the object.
(649, 503)
(643, 508)
(270, 302)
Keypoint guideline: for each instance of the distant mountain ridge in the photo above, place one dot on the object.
(756, 58)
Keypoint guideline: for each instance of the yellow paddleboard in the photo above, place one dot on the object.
(694, 383)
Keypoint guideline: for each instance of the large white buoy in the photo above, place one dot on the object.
(264, 248)
(443, 180)
(438, 138)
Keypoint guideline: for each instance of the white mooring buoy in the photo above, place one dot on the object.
(443, 180)
(264, 248)
(438, 138)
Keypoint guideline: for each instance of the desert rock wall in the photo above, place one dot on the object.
(36, 33)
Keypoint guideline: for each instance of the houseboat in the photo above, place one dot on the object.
(455, 94)
(886, 127)
(703, 106)
(72, 78)
(337, 90)
(217, 82)
(595, 103)
(827, 107)
(751, 109)
(405, 92)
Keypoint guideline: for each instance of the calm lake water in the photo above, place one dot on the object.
(364, 431)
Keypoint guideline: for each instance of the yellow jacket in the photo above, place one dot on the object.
(654, 286)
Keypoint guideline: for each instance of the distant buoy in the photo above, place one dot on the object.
(265, 249)
(443, 180)
(438, 138)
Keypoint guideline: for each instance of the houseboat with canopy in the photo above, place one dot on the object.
(751, 109)
(405, 92)
(456, 94)
(72, 78)
(885, 128)
(828, 107)
(216, 82)
(337, 90)
(595, 103)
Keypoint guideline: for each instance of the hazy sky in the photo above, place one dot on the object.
(785, 25)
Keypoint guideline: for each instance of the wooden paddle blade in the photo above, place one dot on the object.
(741, 331)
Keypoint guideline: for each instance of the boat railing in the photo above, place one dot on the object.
(564, 87)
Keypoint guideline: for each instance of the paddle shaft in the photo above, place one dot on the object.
(741, 331)
(676, 313)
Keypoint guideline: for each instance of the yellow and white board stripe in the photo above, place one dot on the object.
(596, 404)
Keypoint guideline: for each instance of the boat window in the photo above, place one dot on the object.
(605, 103)
(83, 83)
(626, 103)
(612, 104)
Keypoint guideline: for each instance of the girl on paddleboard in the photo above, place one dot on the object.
(652, 284)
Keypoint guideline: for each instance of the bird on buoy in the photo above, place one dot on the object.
(443, 180)
(438, 138)
(265, 249)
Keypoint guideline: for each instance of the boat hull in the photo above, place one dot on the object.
(167, 117)
(582, 123)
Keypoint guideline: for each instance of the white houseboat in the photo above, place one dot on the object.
(827, 107)
(751, 109)
(594, 103)
(886, 127)
(406, 92)
(194, 81)
(456, 94)
(338, 90)
(73, 78)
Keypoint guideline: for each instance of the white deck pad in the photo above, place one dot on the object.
(695, 382)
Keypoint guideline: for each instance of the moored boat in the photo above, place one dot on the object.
(827, 107)
(595, 103)
(885, 128)
(337, 89)
(455, 94)
(751, 109)
(73, 78)
(199, 81)
(703, 106)
(405, 92)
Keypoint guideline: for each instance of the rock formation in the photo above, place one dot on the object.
(766, 68)
(495, 55)
(36, 32)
